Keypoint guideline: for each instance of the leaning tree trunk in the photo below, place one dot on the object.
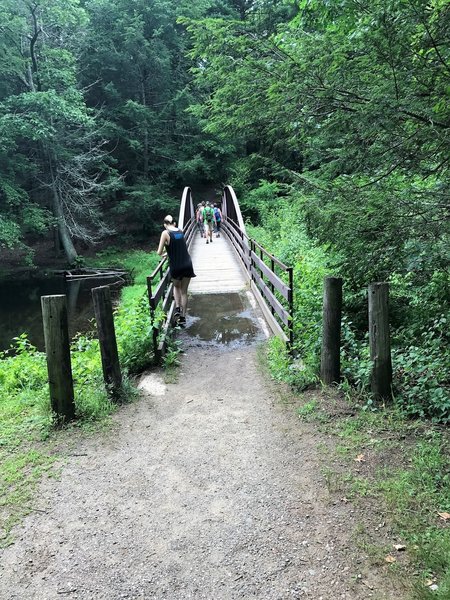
(64, 235)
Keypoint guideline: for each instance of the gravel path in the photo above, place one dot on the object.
(208, 489)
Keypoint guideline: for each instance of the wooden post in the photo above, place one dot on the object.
(107, 339)
(330, 360)
(149, 294)
(57, 348)
(379, 339)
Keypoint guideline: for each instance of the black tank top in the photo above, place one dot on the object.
(179, 259)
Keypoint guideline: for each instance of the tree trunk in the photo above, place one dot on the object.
(64, 235)
(145, 152)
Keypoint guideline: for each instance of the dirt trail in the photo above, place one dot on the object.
(208, 488)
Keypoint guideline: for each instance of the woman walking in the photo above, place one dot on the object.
(173, 245)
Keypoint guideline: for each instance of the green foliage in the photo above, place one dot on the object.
(421, 360)
(134, 334)
(147, 204)
(342, 127)
(90, 90)
(308, 412)
(9, 232)
(421, 375)
(415, 497)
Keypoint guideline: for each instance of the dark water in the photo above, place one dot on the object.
(20, 306)
(221, 319)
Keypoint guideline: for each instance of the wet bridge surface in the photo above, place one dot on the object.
(250, 289)
(221, 311)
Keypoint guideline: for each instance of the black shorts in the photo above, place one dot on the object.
(179, 274)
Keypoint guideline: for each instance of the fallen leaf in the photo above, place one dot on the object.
(445, 516)
(390, 559)
(360, 458)
(345, 500)
(399, 547)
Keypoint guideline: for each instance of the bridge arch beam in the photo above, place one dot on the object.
(231, 208)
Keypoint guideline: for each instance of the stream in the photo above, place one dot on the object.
(20, 306)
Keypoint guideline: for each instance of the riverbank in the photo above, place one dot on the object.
(26, 435)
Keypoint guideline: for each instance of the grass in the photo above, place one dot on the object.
(171, 360)
(413, 489)
(394, 465)
(28, 449)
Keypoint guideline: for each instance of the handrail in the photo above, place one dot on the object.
(270, 279)
(272, 283)
(231, 208)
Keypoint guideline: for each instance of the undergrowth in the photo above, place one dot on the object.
(419, 311)
(404, 466)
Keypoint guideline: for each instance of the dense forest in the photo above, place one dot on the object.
(331, 120)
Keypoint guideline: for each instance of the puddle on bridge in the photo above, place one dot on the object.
(225, 320)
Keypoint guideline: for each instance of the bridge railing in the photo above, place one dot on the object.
(270, 279)
(159, 285)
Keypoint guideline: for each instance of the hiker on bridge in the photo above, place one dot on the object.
(199, 220)
(173, 245)
(208, 221)
(217, 220)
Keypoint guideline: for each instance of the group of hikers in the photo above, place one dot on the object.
(173, 245)
(209, 219)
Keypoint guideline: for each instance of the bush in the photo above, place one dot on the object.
(419, 313)
(421, 374)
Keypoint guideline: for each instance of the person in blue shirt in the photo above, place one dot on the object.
(217, 219)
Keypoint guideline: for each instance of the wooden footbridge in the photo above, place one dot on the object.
(232, 263)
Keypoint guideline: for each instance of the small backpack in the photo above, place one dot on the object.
(217, 214)
(208, 214)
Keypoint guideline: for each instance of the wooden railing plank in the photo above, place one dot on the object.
(279, 309)
(160, 289)
(271, 256)
(271, 276)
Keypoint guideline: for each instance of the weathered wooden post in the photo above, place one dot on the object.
(57, 348)
(154, 324)
(330, 360)
(107, 339)
(149, 294)
(379, 340)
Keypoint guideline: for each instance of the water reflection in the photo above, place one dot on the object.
(222, 319)
(20, 306)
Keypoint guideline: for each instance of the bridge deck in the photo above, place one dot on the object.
(216, 267)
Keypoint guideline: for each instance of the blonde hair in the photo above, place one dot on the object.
(168, 219)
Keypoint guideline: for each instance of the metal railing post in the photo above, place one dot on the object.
(272, 287)
(291, 310)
